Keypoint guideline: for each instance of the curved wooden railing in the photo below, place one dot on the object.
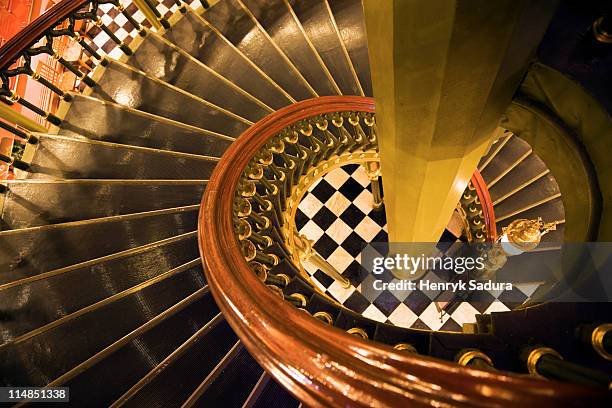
(36, 30)
(486, 204)
(322, 365)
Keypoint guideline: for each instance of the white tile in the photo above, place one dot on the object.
(310, 205)
(367, 229)
(116, 53)
(106, 19)
(337, 178)
(496, 307)
(527, 288)
(361, 176)
(340, 259)
(465, 313)
(495, 293)
(402, 316)
(121, 20)
(100, 39)
(364, 201)
(121, 34)
(372, 312)
(431, 317)
(339, 230)
(312, 231)
(337, 203)
(340, 293)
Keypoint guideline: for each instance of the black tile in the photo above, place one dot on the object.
(379, 216)
(451, 325)
(300, 219)
(357, 302)
(355, 273)
(352, 216)
(419, 324)
(131, 9)
(127, 40)
(386, 302)
(351, 189)
(323, 278)
(109, 46)
(93, 31)
(324, 218)
(512, 298)
(325, 246)
(113, 12)
(323, 191)
(382, 238)
(480, 300)
(417, 301)
(448, 236)
(350, 168)
(113, 26)
(354, 244)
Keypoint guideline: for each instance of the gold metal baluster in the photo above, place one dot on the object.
(309, 254)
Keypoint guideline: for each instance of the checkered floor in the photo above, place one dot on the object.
(121, 27)
(337, 214)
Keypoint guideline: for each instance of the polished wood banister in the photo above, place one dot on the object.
(486, 203)
(35, 30)
(319, 364)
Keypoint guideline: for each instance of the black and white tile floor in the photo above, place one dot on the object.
(122, 28)
(337, 214)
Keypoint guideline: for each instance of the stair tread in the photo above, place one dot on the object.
(551, 210)
(350, 20)
(277, 19)
(114, 258)
(52, 296)
(540, 189)
(72, 157)
(510, 155)
(128, 86)
(230, 384)
(106, 381)
(111, 122)
(320, 25)
(30, 251)
(230, 18)
(525, 171)
(72, 340)
(29, 203)
(171, 386)
(160, 59)
(274, 395)
(202, 41)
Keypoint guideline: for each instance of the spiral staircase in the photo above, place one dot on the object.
(103, 287)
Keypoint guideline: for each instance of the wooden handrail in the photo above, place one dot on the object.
(486, 203)
(323, 365)
(36, 29)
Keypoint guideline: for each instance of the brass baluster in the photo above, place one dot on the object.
(547, 363)
(475, 359)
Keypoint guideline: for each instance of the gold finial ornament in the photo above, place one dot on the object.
(527, 234)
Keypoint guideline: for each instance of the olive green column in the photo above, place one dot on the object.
(443, 72)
